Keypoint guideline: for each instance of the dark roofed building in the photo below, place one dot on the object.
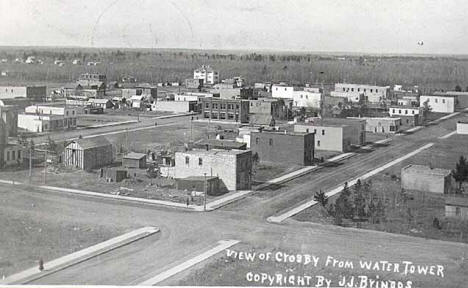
(134, 160)
(89, 153)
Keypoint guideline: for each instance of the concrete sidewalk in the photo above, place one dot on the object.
(79, 256)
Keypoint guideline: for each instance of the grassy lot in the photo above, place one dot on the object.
(414, 216)
(267, 171)
(227, 270)
(143, 187)
(30, 232)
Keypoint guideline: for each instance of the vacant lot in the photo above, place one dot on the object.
(414, 212)
(228, 270)
(30, 231)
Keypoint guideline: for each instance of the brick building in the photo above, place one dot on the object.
(284, 147)
(232, 167)
(225, 109)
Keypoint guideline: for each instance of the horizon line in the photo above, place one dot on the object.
(250, 50)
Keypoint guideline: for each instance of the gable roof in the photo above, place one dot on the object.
(93, 142)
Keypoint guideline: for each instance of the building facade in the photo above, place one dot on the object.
(282, 91)
(334, 134)
(456, 206)
(462, 127)
(426, 179)
(307, 99)
(207, 74)
(234, 110)
(232, 167)
(381, 124)
(291, 148)
(36, 93)
(87, 154)
(267, 106)
(438, 103)
(372, 93)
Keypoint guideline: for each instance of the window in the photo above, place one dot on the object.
(344, 90)
(413, 112)
(358, 89)
(352, 89)
(436, 100)
(399, 112)
(19, 154)
(301, 96)
(271, 142)
(393, 110)
(13, 155)
(73, 112)
(315, 131)
(307, 97)
(200, 161)
(406, 111)
(67, 113)
(187, 160)
(371, 90)
(365, 90)
(392, 128)
(307, 130)
(318, 143)
(276, 88)
(8, 155)
(285, 89)
(407, 121)
(376, 90)
(443, 101)
(323, 131)
(256, 140)
(457, 211)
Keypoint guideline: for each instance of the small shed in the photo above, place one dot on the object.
(89, 153)
(426, 179)
(197, 183)
(456, 206)
(134, 160)
(101, 103)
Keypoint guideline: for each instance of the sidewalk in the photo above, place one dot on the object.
(287, 214)
(79, 256)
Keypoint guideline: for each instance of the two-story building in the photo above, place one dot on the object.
(335, 134)
(206, 73)
(438, 103)
(234, 110)
(232, 167)
(291, 148)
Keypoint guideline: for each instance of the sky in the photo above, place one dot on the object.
(359, 26)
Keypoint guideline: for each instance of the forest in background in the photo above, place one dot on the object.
(160, 65)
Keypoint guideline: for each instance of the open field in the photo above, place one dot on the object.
(30, 231)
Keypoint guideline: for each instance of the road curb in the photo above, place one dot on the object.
(33, 273)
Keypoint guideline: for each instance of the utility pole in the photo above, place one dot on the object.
(191, 133)
(204, 201)
(45, 166)
(30, 163)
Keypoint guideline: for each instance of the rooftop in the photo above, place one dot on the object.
(94, 142)
(231, 144)
(289, 133)
(215, 151)
(458, 200)
(340, 122)
(426, 170)
(134, 155)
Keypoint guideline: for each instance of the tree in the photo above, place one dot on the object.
(321, 198)
(460, 174)
(426, 108)
(359, 200)
(458, 88)
(51, 146)
(343, 205)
